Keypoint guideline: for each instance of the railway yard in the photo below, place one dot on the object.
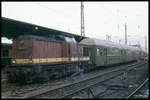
(114, 82)
(48, 63)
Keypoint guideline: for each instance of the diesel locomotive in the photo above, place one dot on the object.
(46, 58)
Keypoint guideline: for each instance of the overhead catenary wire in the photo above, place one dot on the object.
(115, 15)
(112, 15)
(108, 11)
(55, 11)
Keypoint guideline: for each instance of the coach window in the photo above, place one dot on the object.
(105, 51)
(139, 53)
(87, 51)
(101, 52)
(98, 52)
(122, 52)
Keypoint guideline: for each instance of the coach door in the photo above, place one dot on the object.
(105, 56)
(123, 55)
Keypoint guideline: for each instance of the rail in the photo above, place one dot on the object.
(93, 84)
(49, 90)
(137, 88)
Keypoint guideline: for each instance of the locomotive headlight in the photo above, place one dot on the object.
(13, 61)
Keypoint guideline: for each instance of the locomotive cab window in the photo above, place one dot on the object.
(85, 51)
(5, 53)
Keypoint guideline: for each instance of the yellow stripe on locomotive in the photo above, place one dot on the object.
(49, 60)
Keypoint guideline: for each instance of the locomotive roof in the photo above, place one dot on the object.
(95, 41)
(39, 38)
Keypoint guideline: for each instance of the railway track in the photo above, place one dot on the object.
(118, 88)
(136, 90)
(98, 83)
(66, 90)
(15, 90)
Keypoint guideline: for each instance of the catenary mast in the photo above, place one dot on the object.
(82, 19)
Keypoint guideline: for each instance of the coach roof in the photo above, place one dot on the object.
(95, 41)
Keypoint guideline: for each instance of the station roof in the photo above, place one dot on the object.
(12, 29)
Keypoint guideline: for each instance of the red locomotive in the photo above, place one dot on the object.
(35, 57)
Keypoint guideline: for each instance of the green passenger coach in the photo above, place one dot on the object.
(103, 53)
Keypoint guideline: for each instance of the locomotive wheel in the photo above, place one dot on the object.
(28, 80)
(11, 77)
(29, 77)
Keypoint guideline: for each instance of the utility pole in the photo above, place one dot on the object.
(108, 37)
(125, 34)
(82, 19)
(145, 44)
(119, 41)
(138, 44)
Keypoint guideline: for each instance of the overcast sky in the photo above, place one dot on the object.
(101, 18)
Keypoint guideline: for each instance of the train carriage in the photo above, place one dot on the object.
(104, 53)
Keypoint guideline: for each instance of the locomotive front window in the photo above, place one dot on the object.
(5, 53)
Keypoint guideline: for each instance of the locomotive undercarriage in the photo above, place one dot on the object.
(40, 73)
